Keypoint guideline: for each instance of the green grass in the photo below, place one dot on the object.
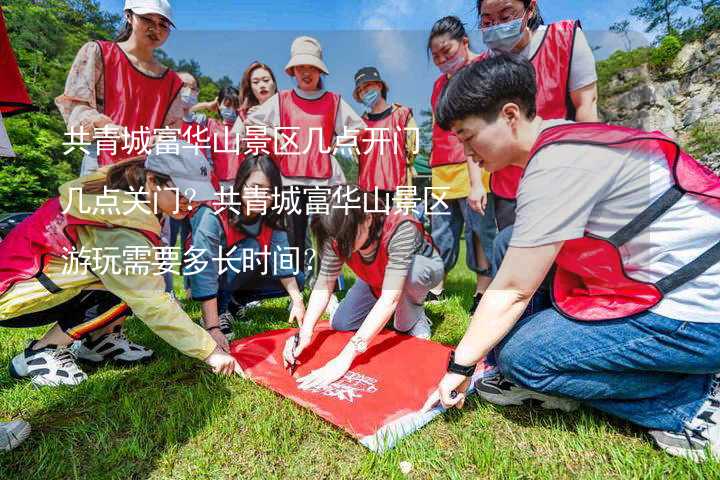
(171, 418)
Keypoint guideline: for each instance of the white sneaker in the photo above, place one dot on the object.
(13, 434)
(225, 322)
(113, 346)
(421, 328)
(49, 366)
(499, 390)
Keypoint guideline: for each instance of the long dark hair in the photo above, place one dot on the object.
(253, 163)
(346, 213)
(247, 96)
(450, 25)
(534, 22)
(126, 30)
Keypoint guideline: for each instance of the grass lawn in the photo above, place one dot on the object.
(171, 418)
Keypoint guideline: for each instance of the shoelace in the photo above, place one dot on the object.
(65, 357)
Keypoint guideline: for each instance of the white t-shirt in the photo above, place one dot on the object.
(582, 65)
(5, 147)
(567, 190)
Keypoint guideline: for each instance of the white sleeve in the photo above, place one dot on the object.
(347, 117)
(582, 67)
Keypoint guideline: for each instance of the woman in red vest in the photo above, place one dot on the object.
(395, 263)
(305, 122)
(251, 234)
(630, 224)
(86, 259)
(566, 76)
(117, 93)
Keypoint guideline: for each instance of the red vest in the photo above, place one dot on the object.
(373, 273)
(590, 281)
(383, 160)
(133, 99)
(306, 114)
(225, 150)
(552, 64)
(48, 232)
(446, 148)
(13, 95)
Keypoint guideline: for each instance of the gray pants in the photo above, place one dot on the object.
(425, 274)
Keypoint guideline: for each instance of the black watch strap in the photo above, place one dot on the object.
(459, 369)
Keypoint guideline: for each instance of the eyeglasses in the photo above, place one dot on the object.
(163, 25)
(505, 16)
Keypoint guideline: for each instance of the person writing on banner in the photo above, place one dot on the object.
(85, 266)
(306, 122)
(387, 148)
(117, 93)
(630, 223)
(449, 46)
(249, 234)
(395, 263)
(566, 89)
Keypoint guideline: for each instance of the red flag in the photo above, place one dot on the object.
(13, 95)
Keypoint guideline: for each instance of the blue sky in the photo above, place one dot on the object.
(224, 36)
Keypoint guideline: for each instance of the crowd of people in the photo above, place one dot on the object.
(594, 247)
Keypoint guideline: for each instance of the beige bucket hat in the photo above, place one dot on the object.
(306, 51)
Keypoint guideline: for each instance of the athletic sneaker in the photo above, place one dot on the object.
(48, 366)
(700, 437)
(114, 346)
(225, 322)
(476, 302)
(499, 390)
(13, 434)
(421, 328)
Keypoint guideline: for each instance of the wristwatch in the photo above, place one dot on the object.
(459, 369)
(359, 344)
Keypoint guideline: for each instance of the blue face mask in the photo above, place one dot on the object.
(370, 98)
(504, 37)
(228, 114)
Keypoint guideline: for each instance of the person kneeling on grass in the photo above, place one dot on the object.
(395, 263)
(631, 225)
(40, 286)
(250, 228)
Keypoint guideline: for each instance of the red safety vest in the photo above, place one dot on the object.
(446, 148)
(383, 159)
(590, 281)
(306, 115)
(133, 99)
(225, 149)
(373, 272)
(233, 235)
(48, 232)
(552, 63)
(13, 95)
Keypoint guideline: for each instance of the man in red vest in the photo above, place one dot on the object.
(630, 223)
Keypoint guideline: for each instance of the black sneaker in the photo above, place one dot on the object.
(700, 437)
(499, 390)
(476, 302)
(48, 366)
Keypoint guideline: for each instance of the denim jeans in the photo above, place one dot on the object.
(648, 369)
(447, 222)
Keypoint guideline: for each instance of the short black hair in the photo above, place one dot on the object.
(485, 86)
(450, 25)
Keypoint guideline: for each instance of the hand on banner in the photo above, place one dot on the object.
(291, 351)
(223, 363)
(331, 372)
(450, 392)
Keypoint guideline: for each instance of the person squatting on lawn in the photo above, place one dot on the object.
(253, 229)
(396, 265)
(449, 46)
(40, 286)
(633, 236)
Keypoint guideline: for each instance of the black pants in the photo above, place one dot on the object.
(84, 313)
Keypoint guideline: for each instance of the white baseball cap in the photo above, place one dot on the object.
(143, 7)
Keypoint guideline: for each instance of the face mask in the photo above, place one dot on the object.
(188, 98)
(228, 114)
(504, 37)
(453, 65)
(370, 99)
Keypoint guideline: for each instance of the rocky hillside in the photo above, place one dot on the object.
(682, 100)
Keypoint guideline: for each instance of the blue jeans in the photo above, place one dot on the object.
(447, 222)
(651, 370)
